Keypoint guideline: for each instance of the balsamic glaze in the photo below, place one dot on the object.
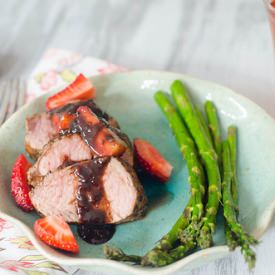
(96, 234)
(89, 194)
(72, 107)
(90, 190)
(90, 133)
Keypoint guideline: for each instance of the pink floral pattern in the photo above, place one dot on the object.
(31, 265)
(59, 67)
(48, 80)
(56, 69)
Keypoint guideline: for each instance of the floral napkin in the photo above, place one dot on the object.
(56, 68)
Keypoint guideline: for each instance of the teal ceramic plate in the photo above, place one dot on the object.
(129, 98)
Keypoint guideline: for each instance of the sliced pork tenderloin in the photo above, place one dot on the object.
(92, 141)
(41, 128)
(104, 190)
(60, 152)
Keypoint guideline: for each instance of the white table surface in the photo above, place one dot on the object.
(225, 41)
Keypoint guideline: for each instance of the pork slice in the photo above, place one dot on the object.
(40, 128)
(124, 192)
(60, 152)
(39, 131)
(55, 195)
(128, 154)
(104, 190)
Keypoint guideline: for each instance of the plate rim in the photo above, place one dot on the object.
(218, 251)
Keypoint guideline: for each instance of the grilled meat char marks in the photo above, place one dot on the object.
(104, 190)
(41, 128)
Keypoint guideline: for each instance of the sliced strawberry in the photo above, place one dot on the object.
(19, 186)
(101, 139)
(80, 89)
(55, 232)
(151, 161)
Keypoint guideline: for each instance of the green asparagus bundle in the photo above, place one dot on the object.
(208, 156)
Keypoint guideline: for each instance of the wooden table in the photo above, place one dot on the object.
(225, 41)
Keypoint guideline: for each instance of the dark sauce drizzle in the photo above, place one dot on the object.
(96, 234)
(72, 107)
(90, 191)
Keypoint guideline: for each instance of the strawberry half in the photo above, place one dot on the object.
(19, 186)
(151, 161)
(55, 232)
(80, 89)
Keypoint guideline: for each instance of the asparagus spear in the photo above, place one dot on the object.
(118, 255)
(232, 141)
(213, 124)
(162, 258)
(203, 122)
(209, 157)
(189, 152)
(230, 237)
(243, 238)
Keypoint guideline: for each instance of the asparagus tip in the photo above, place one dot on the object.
(249, 256)
(205, 237)
(114, 253)
(154, 258)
